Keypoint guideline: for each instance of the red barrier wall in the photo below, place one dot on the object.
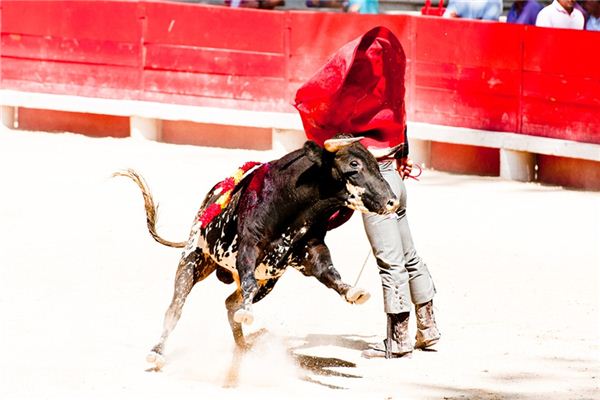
(234, 57)
(75, 47)
(466, 73)
(561, 84)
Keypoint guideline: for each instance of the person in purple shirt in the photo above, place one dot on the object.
(524, 12)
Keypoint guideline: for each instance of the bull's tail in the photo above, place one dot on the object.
(151, 208)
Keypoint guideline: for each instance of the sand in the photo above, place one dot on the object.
(83, 287)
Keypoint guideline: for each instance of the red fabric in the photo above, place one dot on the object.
(339, 218)
(258, 179)
(248, 165)
(209, 214)
(226, 185)
(360, 90)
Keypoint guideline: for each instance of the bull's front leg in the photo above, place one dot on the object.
(246, 266)
(318, 264)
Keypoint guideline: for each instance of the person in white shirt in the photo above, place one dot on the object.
(561, 14)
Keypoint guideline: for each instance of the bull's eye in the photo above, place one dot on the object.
(354, 164)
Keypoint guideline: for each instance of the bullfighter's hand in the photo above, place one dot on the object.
(404, 166)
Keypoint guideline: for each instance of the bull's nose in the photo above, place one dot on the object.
(392, 205)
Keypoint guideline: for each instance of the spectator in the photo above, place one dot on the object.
(325, 3)
(593, 9)
(264, 4)
(480, 9)
(561, 14)
(580, 5)
(524, 12)
(363, 6)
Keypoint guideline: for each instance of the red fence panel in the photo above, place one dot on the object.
(100, 19)
(215, 55)
(467, 73)
(76, 46)
(460, 72)
(561, 84)
(214, 27)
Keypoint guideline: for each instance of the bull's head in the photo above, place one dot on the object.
(355, 167)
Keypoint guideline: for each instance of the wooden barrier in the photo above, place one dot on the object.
(474, 74)
(80, 48)
(477, 75)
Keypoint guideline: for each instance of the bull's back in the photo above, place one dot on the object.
(253, 200)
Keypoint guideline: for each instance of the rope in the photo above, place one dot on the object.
(414, 176)
(362, 268)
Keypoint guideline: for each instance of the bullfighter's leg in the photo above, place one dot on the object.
(246, 264)
(317, 262)
(192, 269)
(234, 303)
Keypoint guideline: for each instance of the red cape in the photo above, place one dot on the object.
(359, 90)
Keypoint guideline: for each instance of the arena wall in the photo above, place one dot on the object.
(463, 73)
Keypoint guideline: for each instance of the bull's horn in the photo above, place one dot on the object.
(386, 152)
(333, 145)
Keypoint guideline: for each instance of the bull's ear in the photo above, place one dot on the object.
(333, 145)
(313, 152)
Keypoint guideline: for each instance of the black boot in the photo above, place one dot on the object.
(427, 331)
(398, 342)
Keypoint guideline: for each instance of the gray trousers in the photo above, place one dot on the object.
(404, 276)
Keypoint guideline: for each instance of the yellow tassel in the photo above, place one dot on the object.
(224, 199)
(238, 175)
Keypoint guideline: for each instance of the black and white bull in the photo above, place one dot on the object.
(277, 216)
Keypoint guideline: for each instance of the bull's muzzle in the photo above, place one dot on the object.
(392, 205)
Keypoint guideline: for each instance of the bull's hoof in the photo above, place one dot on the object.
(243, 316)
(357, 295)
(156, 359)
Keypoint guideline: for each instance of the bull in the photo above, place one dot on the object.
(275, 217)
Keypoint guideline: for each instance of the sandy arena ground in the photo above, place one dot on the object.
(83, 287)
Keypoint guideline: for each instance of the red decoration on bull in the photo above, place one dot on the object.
(224, 188)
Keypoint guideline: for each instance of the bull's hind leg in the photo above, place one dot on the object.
(234, 304)
(192, 269)
(246, 265)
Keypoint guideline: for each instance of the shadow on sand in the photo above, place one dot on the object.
(323, 366)
(311, 366)
(314, 368)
